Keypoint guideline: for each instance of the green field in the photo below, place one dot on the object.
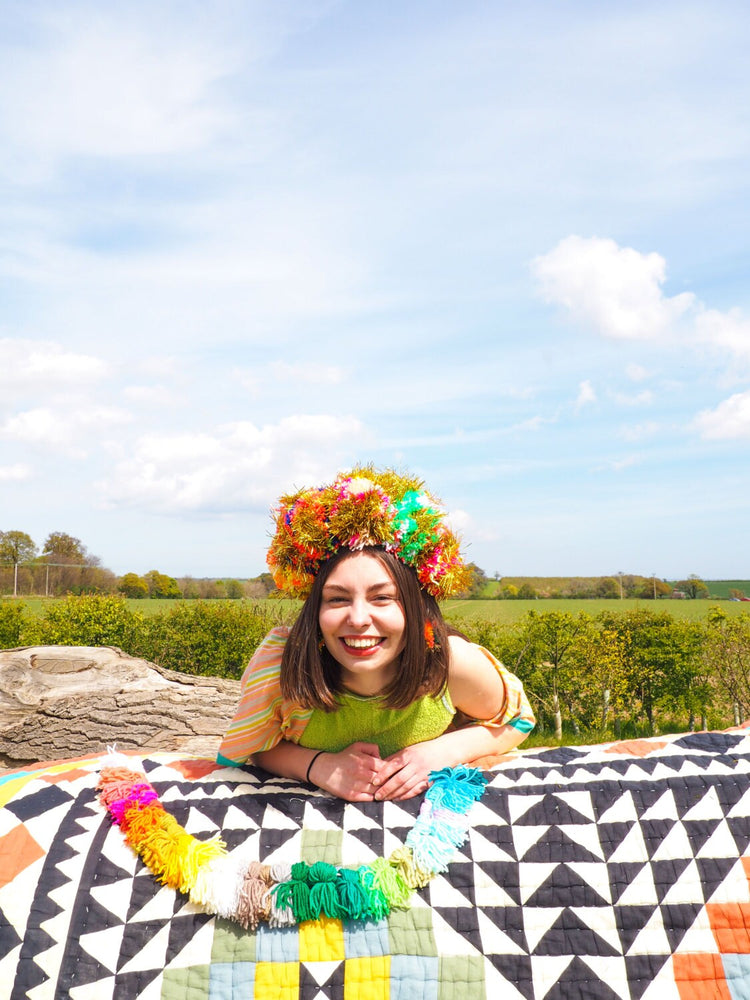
(504, 612)
(508, 612)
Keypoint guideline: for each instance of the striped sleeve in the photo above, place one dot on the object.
(262, 718)
(516, 710)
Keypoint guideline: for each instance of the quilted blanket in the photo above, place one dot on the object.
(619, 871)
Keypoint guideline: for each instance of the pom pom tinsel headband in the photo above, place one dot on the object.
(363, 508)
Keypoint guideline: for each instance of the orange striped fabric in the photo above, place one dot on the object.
(263, 718)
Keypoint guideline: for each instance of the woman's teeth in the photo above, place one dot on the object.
(364, 643)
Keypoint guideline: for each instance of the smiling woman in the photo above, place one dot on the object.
(369, 691)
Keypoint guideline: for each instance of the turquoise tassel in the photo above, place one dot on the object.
(456, 788)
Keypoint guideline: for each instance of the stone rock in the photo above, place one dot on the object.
(67, 701)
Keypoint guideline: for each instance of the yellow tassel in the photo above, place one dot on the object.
(403, 861)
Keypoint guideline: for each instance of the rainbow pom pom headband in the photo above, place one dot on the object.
(362, 508)
(233, 886)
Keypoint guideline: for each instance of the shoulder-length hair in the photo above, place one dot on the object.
(312, 677)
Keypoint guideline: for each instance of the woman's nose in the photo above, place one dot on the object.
(359, 613)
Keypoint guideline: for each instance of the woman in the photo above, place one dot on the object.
(368, 692)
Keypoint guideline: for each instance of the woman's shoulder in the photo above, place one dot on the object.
(466, 656)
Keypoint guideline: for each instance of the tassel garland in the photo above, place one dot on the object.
(238, 888)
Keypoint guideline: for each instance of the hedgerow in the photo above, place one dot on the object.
(206, 637)
(588, 677)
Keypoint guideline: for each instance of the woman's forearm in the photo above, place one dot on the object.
(286, 759)
(461, 746)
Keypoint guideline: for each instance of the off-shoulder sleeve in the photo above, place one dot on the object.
(516, 710)
(263, 718)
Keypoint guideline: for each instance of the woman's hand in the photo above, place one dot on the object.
(351, 773)
(406, 773)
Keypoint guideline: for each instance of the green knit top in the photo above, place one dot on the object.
(365, 719)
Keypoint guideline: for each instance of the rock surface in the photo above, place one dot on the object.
(67, 701)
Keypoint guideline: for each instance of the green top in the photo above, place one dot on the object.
(363, 719)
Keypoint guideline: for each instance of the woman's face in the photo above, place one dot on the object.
(362, 622)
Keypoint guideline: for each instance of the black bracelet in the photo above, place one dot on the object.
(309, 766)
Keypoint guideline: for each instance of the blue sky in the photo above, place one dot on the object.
(504, 246)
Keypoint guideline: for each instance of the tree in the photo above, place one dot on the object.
(62, 548)
(726, 652)
(16, 547)
(607, 587)
(550, 641)
(478, 580)
(133, 586)
(526, 592)
(234, 589)
(160, 585)
(693, 587)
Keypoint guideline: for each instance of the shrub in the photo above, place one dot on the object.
(12, 621)
(94, 620)
(208, 638)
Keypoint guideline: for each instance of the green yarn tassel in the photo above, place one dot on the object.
(295, 894)
(324, 897)
(377, 901)
(353, 899)
(388, 880)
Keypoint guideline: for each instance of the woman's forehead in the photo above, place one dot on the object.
(359, 568)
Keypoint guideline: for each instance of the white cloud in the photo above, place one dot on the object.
(150, 395)
(14, 473)
(586, 394)
(615, 290)
(639, 432)
(237, 466)
(105, 87)
(31, 366)
(620, 464)
(728, 421)
(643, 398)
(61, 429)
(303, 373)
(637, 373)
(729, 330)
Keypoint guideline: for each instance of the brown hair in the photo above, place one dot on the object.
(312, 677)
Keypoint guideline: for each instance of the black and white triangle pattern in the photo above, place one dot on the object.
(584, 873)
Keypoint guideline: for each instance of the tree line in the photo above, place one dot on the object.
(63, 565)
(582, 588)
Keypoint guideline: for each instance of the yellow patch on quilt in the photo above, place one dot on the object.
(367, 978)
(321, 940)
(277, 981)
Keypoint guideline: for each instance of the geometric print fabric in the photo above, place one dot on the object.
(620, 871)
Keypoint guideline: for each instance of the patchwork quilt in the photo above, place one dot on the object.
(618, 872)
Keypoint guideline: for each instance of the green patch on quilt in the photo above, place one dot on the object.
(461, 976)
(321, 845)
(410, 933)
(232, 943)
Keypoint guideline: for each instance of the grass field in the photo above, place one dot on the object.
(504, 612)
(508, 612)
